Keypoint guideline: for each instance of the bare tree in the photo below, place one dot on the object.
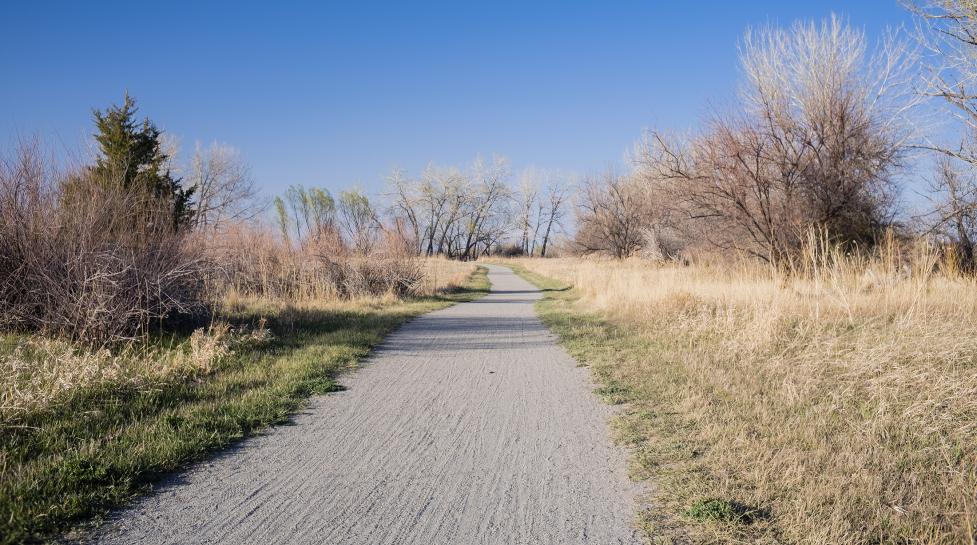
(486, 212)
(552, 209)
(223, 186)
(954, 213)
(359, 221)
(611, 216)
(440, 197)
(528, 205)
(948, 32)
(822, 128)
(406, 209)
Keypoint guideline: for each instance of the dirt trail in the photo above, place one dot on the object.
(467, 426)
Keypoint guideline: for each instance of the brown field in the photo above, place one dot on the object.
(833, 406)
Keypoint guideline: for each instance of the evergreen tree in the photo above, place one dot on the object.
(131, 156)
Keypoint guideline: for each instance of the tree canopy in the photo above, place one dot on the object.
(131, 155)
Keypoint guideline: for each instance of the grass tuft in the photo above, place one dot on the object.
(719, 510)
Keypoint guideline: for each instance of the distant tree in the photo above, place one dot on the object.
(406, 209)
(307, 215)
(131, 155)
(442, 196)
(551, 211)
(453, 212)
(540, 205)
(359, 221)
(485, 210)
(528, 208)
(281, 214)
(612, 216)
(224, 188)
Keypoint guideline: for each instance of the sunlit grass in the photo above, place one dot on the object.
(834, 406)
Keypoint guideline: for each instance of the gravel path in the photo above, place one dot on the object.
(469, 425)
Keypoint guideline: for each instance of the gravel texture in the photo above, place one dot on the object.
(469, 425)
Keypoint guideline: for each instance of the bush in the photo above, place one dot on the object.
(510, 250)
(83, 259)
(255, 263)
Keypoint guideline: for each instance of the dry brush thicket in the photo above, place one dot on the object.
(87, 260)
(90, 261)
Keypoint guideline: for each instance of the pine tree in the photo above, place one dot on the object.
(131, 156)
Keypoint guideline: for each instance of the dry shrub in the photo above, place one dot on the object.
(841, 397)
(257, 264)
(816, 141)
(82, 259)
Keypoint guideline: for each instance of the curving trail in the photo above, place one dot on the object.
(469, 425)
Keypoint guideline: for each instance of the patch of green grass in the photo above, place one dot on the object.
(716, 509)
(101, 447)
(613, 394)
(477, 286)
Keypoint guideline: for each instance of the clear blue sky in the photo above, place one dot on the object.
(335, 94)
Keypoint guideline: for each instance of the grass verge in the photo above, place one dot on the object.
(831, 408)
(100, 446)
(649, 425)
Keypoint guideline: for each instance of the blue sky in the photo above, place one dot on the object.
(336, 94)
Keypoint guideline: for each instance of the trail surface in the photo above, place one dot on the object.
(468, 425)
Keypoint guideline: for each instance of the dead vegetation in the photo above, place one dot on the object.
(87, 260)
(835, 405)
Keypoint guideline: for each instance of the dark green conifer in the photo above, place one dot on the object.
(130, 154)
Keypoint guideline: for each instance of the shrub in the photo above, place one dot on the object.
(84, 259)
(510, 250)
(254, 263)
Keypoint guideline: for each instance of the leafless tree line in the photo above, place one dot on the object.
(468, 213)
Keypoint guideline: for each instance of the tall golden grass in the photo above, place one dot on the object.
(256, 264)
(840, 399)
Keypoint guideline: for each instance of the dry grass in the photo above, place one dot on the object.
(834, 406)
(83, 430)
(444, 275)
(36, 371)
(256, 264)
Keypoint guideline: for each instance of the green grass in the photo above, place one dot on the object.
(719, 510)
(101, 447)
